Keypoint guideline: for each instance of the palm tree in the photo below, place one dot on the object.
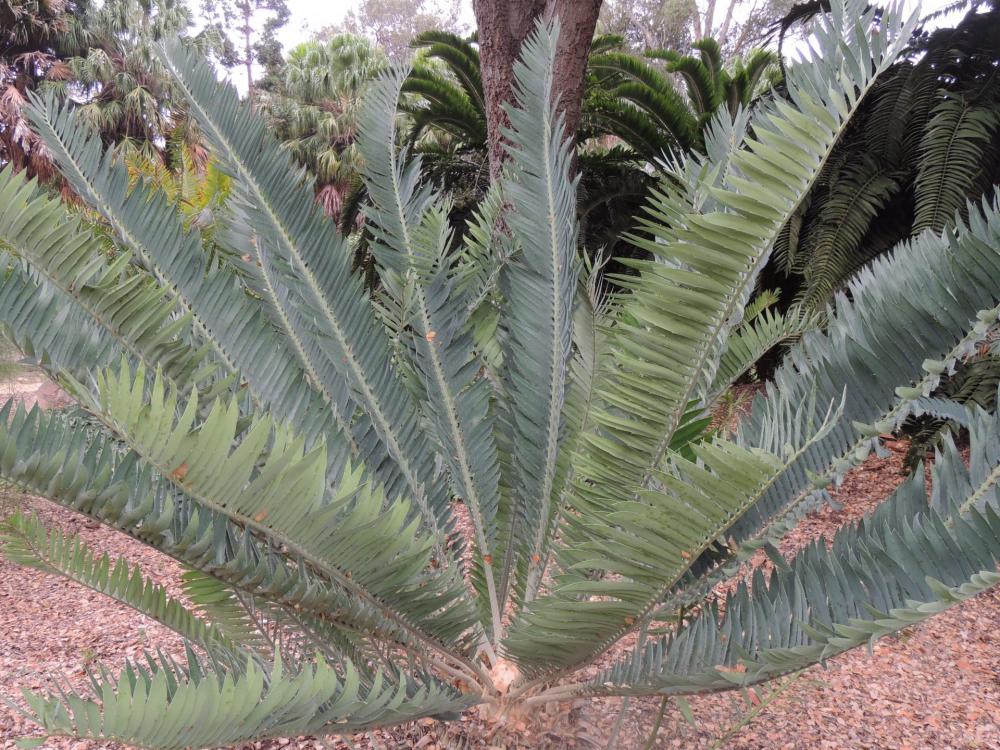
(308, 454)
(120, 86)
(100, 57)
(627, 97)
(632, 115)
(649, 112)
(32, 37)
(315, 110)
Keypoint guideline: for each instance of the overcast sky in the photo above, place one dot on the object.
(309, 16)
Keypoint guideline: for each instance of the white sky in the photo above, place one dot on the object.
(309, 16)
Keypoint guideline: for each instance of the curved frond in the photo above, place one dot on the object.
(133, 313)
(324, 301)
(913, 557)
(634, 80)
(633, 125)
(453, 121)
(951, 154)
(664, 108)
(702, 87)
(25, 540)
(48, 454)
(620, 65)
(710, 52)
(271, 486)
(903, 325)
(858, 192)
(151, 228)
(753, 339)
(462, 59)
(164, 706)
(757, 64)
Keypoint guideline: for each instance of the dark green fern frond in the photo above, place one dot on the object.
(856, 195)
(952, 150)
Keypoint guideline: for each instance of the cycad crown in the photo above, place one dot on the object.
(306, 450)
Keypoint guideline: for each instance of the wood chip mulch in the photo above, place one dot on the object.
(935, 686)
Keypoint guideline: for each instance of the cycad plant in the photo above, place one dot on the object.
(643, 106)
(476, 489)
(925, 144)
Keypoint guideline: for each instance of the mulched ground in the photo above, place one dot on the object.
(936, 686)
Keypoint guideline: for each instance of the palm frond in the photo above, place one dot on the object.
(702, 87)
(446, 108)
(461, 58)
(833, 238)
(651, 92)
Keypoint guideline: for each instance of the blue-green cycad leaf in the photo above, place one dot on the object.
(25, 541)
(539, 286)
(271, 485)
(113, 304)
(241, 336)
(901, 329)
(165, 706)
(327, 306)
(913, 557)
(890, 344)
(57, 457)
(648, 545)
(411, 237)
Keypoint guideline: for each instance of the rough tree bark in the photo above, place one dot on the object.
(503, 26)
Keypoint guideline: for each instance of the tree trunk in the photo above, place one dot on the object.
(248, 50)
(503, 27)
